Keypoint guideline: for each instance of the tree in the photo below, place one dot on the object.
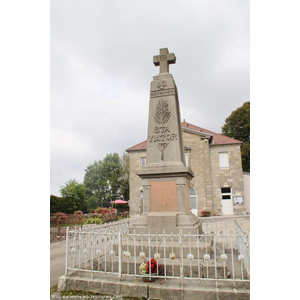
(124, 180)
(237, 126)
(107, 180)
(73, 197)
(95, 184)
(55, 204)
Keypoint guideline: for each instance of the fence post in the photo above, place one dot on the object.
(134, 250)
(149, 247)
(120, 255)
(232, 260)
(165, 259)
(92, 260)
(181, 254)
(58, 227)
(248, 255)
(67, 248)
(215, 257)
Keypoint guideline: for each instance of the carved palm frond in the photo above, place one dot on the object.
(162, 114)
(162, 147)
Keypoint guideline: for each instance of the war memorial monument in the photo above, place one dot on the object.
(166, 178)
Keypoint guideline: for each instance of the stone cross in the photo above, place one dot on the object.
(164, 59)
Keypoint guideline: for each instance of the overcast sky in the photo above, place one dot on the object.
(102, 65)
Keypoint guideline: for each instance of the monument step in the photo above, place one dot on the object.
(159, 289)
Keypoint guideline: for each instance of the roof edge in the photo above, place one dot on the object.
(196, 131)
(131, 148)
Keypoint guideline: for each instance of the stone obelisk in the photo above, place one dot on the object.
(165, 177)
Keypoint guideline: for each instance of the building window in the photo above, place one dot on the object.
(226, 193)
(223, 160)
(186, 155)
(193, 201)
(143, 161)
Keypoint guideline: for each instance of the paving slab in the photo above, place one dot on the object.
(57, 260)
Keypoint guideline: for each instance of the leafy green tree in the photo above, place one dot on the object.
(73, 197)
(124, 179)
(112, 173)
(237, 126)
(95, 184)
(55, 204)
(107, 180)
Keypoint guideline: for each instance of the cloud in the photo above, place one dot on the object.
(101, 69)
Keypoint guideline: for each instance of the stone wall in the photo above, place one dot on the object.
(135, 182)
(197, 156)
(247, 191)
(231, 177)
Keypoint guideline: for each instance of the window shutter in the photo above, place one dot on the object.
(223, 158)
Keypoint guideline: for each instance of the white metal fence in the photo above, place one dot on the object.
(243, 245)
(226, 227)
(111, 249)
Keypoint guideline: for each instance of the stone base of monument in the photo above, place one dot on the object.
(166, 204)
(169, 222)
(106, 284)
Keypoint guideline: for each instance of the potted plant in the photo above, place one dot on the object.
(145, 270)
(205, 213)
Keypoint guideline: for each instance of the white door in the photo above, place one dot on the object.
(226, 201)
(193, 202)
(227, 208)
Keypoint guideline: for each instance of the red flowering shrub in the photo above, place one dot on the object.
(153, 266)
(111, 210)
(100, 210)
(205, 213)
(103, 210)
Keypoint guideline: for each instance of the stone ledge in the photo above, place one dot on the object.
(165, 171)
